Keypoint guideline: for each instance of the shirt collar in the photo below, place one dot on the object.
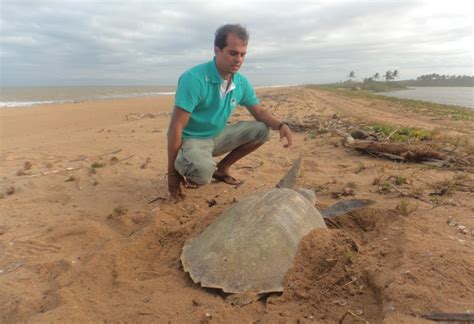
(214, 73)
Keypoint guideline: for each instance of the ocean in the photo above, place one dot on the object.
(29, 96)
(458, 96)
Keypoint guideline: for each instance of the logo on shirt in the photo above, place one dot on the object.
(233, 102)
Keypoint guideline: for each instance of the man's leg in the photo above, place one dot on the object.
(240, 140)
(194, 161)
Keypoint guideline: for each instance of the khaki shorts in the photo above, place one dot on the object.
(194, 160)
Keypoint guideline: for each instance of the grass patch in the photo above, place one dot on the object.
(399, 180)
(365, 86)
(400, 134)
(312, 134)
(419, 106)
(405, 208)
(119, 211)
(445, 187)
(97, 165)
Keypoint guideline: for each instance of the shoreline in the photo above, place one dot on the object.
(347, 92)
(95, 97)
(28, 104)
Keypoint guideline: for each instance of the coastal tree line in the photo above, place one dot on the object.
(436, 77)
(432, 79)
(388, 76)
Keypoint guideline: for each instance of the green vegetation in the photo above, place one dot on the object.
(427, 80)
(119, 211)
(97, 165)
(437, 80)
(400, 134)
(369, 86)
(405, 208)
(312, 134)
(418, 106)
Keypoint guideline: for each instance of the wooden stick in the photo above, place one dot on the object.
(156, 199)
(388, 137)
(52, 172)
(349, 312)
(411, 196)
(113, 152)
(249, 166)
(449, 317)
(128, 157)
(82, 158)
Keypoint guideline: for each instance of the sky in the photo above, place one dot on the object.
(109, 42)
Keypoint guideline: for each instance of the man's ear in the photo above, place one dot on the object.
(216, 49)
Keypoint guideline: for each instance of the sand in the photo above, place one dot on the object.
(88, 233)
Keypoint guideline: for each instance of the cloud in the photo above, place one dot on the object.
(152, 42)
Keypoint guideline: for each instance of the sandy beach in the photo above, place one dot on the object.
(88, 232)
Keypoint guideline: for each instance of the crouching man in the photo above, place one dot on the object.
(205, 98)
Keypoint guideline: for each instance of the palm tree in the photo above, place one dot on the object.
(388, 76)
(376, 76)
(395, 74)
(351, 75)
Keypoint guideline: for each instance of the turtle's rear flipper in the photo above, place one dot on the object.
(345, 206)
(243, 299)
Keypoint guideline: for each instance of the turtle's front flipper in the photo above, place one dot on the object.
(289, 180)
(345, 206)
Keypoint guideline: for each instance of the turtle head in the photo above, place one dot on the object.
(308, 194)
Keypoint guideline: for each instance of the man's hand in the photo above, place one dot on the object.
(174, 185)
(263, 115)
(285, 132)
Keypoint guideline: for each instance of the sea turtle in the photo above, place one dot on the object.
(248, 249)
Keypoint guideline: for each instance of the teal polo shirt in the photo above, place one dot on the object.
(198, 93)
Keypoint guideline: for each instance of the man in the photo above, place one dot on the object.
(205, 98)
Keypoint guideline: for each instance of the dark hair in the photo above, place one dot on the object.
(220, 40)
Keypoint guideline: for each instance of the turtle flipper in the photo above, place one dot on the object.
(243, 299)
(289, 180)
(345, 206)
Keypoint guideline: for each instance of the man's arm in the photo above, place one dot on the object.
(263, 115)
(179, 119)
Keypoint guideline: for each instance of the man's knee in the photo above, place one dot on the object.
(194, 161)
(198, 172)
(262, 132)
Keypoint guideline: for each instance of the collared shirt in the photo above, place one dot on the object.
(226, 87)
(199, 93)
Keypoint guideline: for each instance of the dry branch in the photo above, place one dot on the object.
(349, 312)
(52, 172)
(399, 151)
(113, 152)
(449, 317)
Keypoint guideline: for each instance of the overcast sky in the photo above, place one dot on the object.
(106, 42)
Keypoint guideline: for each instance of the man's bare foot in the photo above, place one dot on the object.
(226, 178)
(190, 185)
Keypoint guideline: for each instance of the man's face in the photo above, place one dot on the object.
(230, 58)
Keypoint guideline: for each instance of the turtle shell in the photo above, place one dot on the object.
(250, 246)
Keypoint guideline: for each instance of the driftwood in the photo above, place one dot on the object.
(400, 151)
